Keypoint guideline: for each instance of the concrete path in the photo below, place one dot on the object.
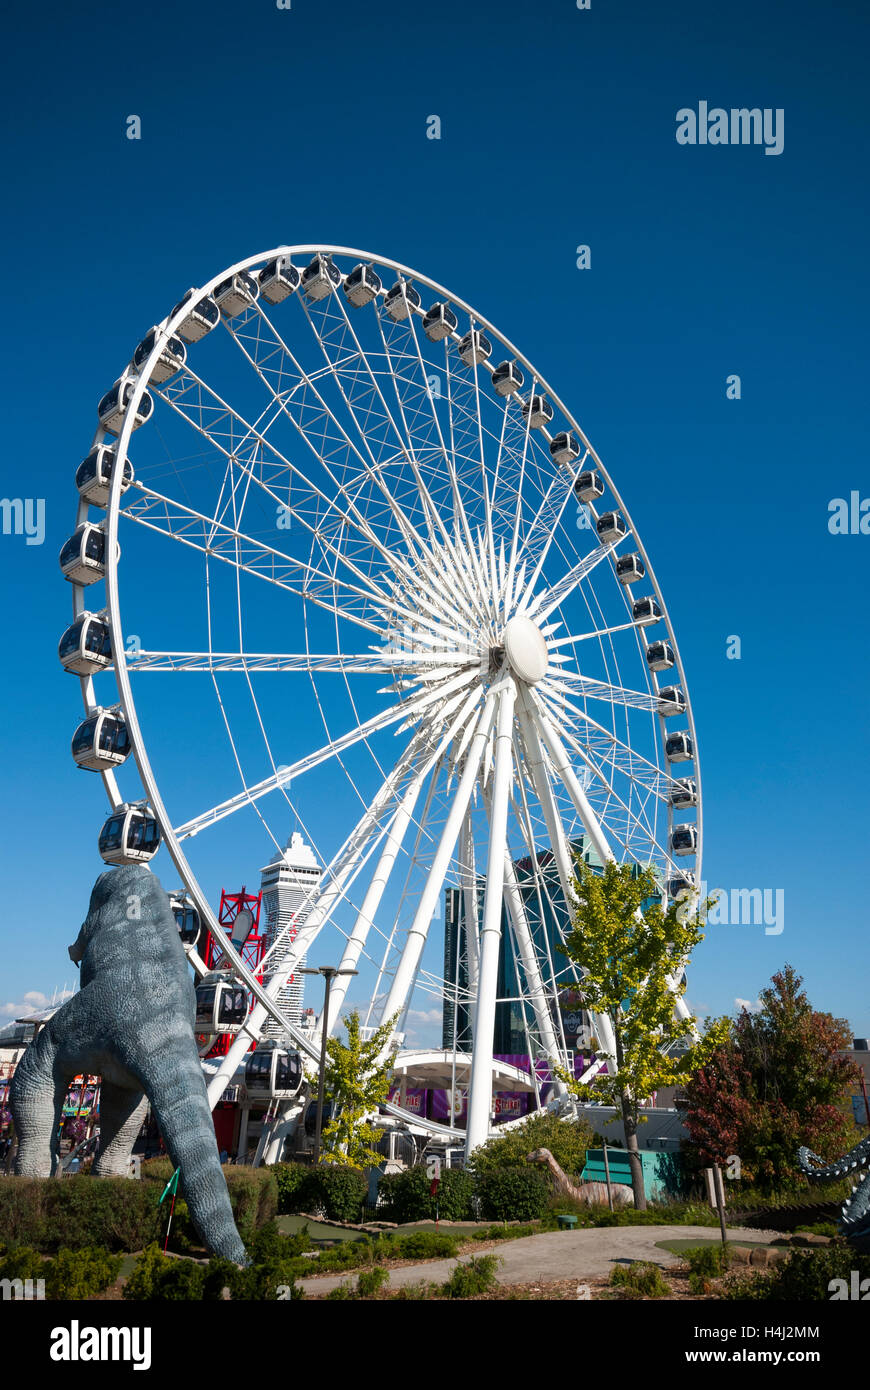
(556, 1255)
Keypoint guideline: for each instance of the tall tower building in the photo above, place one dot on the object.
(288, 884)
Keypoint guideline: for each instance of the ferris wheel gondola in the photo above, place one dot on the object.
(468, 641)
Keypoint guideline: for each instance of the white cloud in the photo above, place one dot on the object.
(748, 1006)
(32, 1001)
(423, 1028)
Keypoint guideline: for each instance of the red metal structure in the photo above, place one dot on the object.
(252, 950)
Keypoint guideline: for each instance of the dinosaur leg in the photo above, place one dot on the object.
(36, 1097)
(178, 1097)
(122, 1111)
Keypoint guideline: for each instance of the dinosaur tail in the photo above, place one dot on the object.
(183, 1113)
(815, 1167)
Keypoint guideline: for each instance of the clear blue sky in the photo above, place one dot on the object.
(262, 126)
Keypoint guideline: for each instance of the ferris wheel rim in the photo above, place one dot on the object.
(113, 610)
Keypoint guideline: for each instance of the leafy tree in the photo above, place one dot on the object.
(357, 1081)
(775, 1082)
(625, 948)
(567, 1141)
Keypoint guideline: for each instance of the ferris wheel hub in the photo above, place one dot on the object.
(526, 649)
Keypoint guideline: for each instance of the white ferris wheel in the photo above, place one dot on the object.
(360, 567)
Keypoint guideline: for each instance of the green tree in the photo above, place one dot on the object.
(566, 1140)
(625, 948)
(776, 1081)
(356, 1081)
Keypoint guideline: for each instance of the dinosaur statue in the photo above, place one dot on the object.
(589, 1193)
(855, 1217)
(131, 1023)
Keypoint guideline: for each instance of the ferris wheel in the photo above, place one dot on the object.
(343, 558)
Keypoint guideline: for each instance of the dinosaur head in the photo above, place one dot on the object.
(119, 897)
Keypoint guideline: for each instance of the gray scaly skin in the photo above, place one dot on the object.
(855, 1218)
(131, 1023)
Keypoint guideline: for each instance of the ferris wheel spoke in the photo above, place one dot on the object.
(297, 769)
(350, 449)
(247, 554)
(541, 605)
(419, 928)
(270, 461)
(398, 829)
(660, 782)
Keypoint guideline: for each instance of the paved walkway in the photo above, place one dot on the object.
(556, 1255)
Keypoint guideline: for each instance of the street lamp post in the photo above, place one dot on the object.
(329, 973)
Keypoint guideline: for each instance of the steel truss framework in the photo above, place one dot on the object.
(482, 683)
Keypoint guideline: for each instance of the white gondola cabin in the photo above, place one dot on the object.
(537, 411)
(684, 792)
(679, 747)
(610, 527)
(660, 656)
(273, 1073)
(86, 646)
(684, 839)
(507, 379)
(320, 277)
(278, 280)
(221, 1004)
(202, 316)
(671, 700)
(101, 741)
(565, 449)
(474, 347)
(83, 557)
(94, 475)
(630, 568)
(361, 286)
(588, 487)
(113, 407)
(401, 300)
(236, 293)
(645, 612)
(439, 322)
(172, 357)
(686, 883)
(130, 835)
(186, 917)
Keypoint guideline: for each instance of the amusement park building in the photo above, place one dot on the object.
(288, 882)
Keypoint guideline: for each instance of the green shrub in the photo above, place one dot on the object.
(341, 1292)
(290, 1179)
(262, 1281)
(639, 1280)
(407, 1196)
(22, 1263)
(340, 1192)
(512, 1194)
(81, 1273)
(158, 1278)
(269, 1244)
(805, 1276)
(371, 1281)
(504, 1232)
(706, 1263)
(471, 1277)
(567, 1141)
(424, 1245)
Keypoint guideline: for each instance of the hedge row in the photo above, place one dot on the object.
(48, 1214)
(337, 1193)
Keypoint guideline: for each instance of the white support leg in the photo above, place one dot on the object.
(418, 931)
(480, 1088)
